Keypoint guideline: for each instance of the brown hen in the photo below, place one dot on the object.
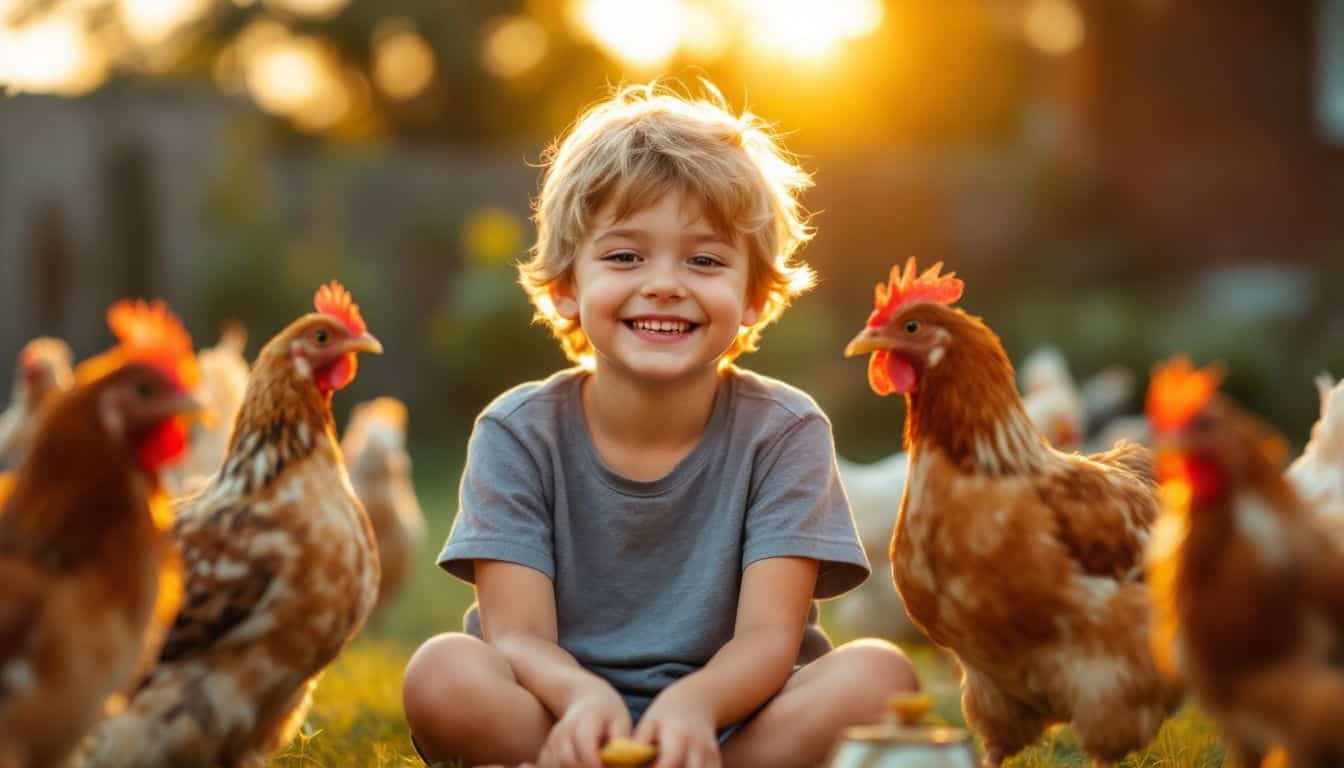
(1247, 580)
(1023, 561)
(87, 578)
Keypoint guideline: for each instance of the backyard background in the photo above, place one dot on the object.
(1124, 179)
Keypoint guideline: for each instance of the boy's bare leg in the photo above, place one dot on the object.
(848, 686)
(463, 702)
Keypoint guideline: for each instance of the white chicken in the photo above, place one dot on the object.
(380, 471)
(1318, 474)
(1052, 399)
(223, 383)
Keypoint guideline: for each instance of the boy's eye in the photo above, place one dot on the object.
(622, 257)
(705, 261)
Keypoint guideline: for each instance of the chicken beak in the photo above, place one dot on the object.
(868, 340)
(181, 404)
(365, 342)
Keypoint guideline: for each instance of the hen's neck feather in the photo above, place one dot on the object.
(283, 420)
(968, 407)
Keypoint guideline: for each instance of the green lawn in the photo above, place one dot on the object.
(356, 720)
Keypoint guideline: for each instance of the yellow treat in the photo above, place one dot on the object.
(910, 708)
(1275, 758)
(627, 752)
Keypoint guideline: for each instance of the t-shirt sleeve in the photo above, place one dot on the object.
(502, 513)
(798, 509)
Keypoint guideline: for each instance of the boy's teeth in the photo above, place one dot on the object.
(663, 326)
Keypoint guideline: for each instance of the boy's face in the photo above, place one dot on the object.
(659, 293)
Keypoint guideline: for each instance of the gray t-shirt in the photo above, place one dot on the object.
(647, 574)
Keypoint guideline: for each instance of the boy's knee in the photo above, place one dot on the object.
(442, 673)
(877, 667)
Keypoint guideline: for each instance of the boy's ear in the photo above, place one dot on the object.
(562, 296)
(750, 315)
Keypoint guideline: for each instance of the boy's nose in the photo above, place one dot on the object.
(663, 283)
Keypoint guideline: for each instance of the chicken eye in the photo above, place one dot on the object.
(321, 335)
(912, 327)
(144, 390)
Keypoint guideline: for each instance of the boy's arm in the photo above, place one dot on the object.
(771, 617)
(517, 609)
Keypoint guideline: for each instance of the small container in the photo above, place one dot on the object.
(903, 742)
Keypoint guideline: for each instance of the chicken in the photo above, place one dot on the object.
(280, 563)
(1051, 398)
(374, 447)
(1052, 403)
(86, 572)
(1107, 394)
(1318, 474)
(223, 382)
(1023, 561)
(44, 370)
(1247, 581)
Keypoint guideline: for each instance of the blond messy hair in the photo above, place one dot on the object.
(644, 142)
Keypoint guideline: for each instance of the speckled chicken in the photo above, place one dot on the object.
(1024, 561)
(1247, 580)
(380, 471)
(44, 370)
(280, 565)
(88, 582)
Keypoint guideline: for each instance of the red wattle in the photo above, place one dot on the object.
(162, 445)
(1206, 478)
(888, 373)
(337, 375)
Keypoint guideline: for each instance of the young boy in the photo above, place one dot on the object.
(646, 532)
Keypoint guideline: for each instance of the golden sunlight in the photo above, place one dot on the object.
(403, 63)
(310, 9)
(808, 31)
(294, 76)
(150, 22)
(512, 46)
(329, 105)
(53, 55)
(643, 36)
(1053, 27)
(705, 30)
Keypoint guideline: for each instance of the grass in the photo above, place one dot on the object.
(356, 718)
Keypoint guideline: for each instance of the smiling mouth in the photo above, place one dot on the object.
(662, 327)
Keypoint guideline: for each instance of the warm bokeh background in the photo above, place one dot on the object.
(1124, 179)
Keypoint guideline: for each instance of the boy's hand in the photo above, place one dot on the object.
(683, 729)
(590, 719)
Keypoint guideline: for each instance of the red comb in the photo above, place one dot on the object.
(1177, 392)
(30, 355)
(151, 334)
(332, 299)
(906, 288)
